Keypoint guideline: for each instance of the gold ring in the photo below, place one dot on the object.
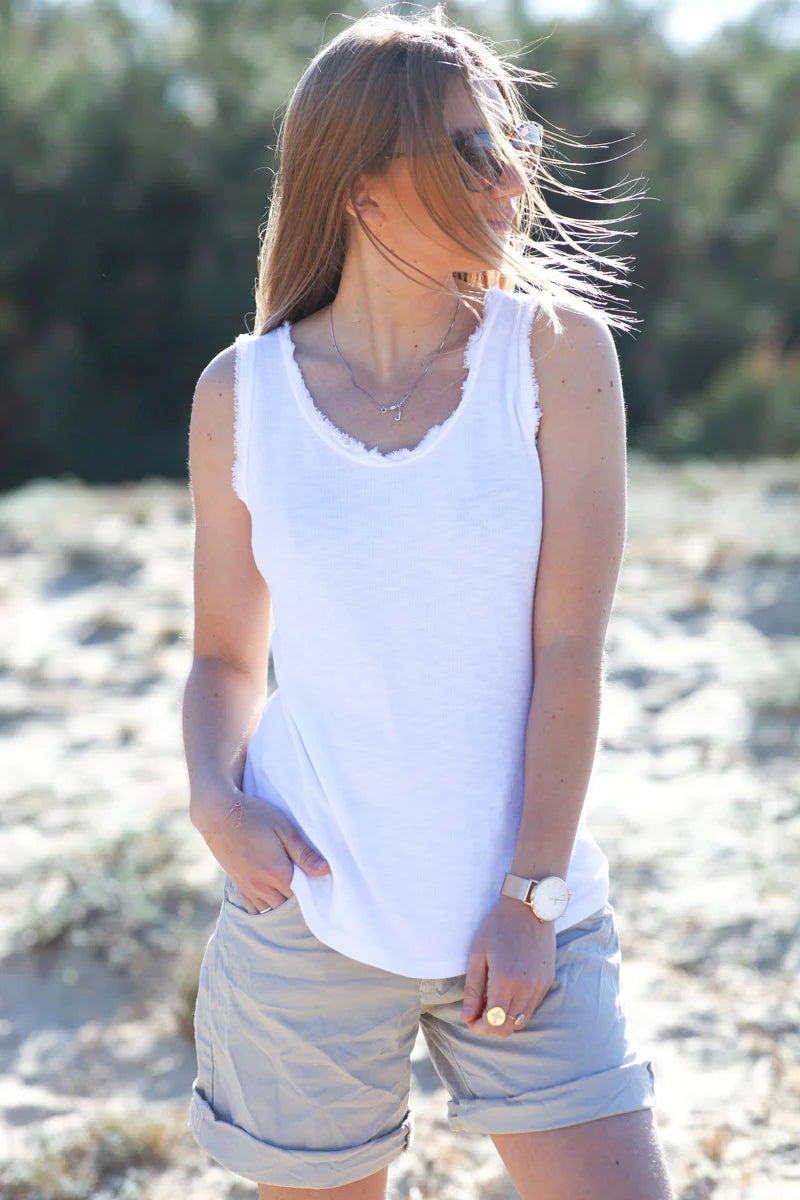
(496, 1015)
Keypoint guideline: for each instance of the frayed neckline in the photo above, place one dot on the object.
(353, 446)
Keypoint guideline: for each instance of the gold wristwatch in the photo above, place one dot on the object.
(547, 898)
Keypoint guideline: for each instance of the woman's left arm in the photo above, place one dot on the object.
(582, 451)
(582, 442)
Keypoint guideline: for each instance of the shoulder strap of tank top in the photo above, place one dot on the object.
(244, 374)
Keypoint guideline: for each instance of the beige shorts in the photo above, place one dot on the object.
(304, 1055)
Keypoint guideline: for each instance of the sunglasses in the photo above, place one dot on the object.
(479, 153)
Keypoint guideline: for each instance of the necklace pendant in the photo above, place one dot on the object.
(391, 407)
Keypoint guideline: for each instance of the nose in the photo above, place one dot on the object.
(510, 183)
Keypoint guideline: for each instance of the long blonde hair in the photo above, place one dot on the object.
(383, 82)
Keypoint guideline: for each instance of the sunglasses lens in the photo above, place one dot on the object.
(526, 136)
(527, 141)
(485, 165)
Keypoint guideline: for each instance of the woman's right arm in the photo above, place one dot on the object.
(226, 688)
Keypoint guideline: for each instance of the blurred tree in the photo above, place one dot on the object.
(137, 162)
(717, 247)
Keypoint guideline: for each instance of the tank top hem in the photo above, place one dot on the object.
(442, 968)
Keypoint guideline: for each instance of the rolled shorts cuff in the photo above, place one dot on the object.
(262, 1162)
(618, 1090)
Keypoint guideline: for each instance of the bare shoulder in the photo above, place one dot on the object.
(212, 405)
(583, 347)
(582, 451)
(577, 372)
(231, 597)
(211, 430)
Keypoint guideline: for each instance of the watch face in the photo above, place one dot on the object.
(550, 898)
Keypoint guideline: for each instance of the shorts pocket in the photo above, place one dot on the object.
(233, 898)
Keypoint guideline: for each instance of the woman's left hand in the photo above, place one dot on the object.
(511, 963)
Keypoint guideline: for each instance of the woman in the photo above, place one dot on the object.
(400, 825)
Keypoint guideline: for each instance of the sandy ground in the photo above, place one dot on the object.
(109, 894)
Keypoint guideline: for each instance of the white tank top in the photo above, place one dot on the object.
(402, 588)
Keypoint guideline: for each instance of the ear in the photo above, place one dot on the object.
(366, 200)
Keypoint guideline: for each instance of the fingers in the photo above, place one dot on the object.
(495, 1004)
(269, 895)
(479, 1001)
(483, 1026)
(474, 988)
(260, 905)
(504, 1014)
(306, 856)
(489, 1007)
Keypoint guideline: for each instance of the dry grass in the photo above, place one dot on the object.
(121, 900)
(109, 1157)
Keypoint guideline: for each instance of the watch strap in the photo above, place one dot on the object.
(518, 886)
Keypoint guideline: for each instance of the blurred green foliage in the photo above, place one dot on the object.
(137, 158)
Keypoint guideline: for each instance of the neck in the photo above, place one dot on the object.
(395, 323)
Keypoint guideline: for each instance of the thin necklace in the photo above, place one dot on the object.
(399, 406)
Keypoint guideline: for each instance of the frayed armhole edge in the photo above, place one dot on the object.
(241, 415)
(531, 410)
